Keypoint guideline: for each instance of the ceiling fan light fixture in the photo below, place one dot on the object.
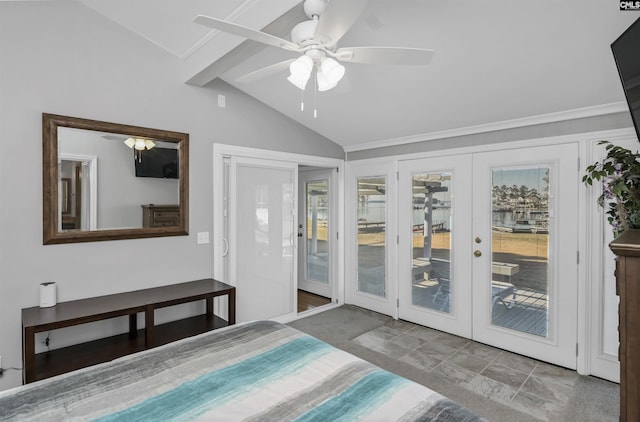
(299, 82)
(301, 68)
(332, 70)
(139, 144)
(323, 83)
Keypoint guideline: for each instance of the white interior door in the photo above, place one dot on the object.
(525, 230)
(435, 222)
(315, 224)
(262, 218)
(488, 248)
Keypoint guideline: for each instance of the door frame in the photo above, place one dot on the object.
(313, 174)
(219, 245)
(596, 359)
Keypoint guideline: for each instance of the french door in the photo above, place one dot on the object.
(488, 247)
(373, 237)
(435, 222)
(262, 218)
(314, 226)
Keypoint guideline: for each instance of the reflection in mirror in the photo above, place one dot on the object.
(107, 181)
(112, 195)
(77, 176)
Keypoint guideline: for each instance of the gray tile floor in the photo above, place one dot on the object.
(535, 388)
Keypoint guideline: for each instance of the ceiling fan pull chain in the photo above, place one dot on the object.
(302, 100)
(315, 97)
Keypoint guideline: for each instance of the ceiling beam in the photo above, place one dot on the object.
(281, 27)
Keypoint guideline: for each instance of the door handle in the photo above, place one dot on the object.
(477, 253)
(226, 247)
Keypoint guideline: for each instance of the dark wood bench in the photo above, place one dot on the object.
(76, 312)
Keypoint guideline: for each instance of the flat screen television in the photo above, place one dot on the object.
(626, 51)
(160, 163)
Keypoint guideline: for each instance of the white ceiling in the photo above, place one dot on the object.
(495, 60)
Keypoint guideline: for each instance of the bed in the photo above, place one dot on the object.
(258, 371)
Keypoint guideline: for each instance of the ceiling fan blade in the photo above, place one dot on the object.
(385, 55)
(246, 32)
(336, 19)
(265, 71)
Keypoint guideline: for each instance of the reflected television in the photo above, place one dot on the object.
(161, 163)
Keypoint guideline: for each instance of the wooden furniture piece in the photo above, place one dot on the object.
(627, 248)
(67, 314)
(160, 215)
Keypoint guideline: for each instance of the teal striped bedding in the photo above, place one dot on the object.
(259, 371)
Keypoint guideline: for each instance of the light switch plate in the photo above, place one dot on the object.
(203, 237)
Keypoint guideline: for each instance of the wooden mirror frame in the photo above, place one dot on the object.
(50, 177)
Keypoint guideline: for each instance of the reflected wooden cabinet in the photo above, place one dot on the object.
(627, 248)
(160, 215)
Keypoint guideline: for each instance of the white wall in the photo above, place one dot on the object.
(60, 57)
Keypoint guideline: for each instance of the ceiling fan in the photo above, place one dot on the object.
(316, 40)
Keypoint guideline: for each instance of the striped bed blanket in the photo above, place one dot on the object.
(259, 371)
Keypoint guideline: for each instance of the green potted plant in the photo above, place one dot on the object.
(620, 175)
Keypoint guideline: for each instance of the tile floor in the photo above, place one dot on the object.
(535, 388)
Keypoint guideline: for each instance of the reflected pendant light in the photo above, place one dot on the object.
(138, 145)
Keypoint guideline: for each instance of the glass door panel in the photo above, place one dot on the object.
(520, 249)
(371, 233)
(431, 283)
(434, 240)
(316, 217)
(371, 239)
(314, 226)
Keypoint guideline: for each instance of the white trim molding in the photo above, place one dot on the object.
(599, 110)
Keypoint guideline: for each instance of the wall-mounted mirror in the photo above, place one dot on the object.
(107, 181)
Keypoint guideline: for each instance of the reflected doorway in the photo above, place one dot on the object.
(77, 187)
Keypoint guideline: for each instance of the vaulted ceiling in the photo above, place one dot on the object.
(495, 61)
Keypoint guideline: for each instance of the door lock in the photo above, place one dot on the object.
(477, 253)
(478, 240)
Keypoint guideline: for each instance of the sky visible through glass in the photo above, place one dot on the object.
(529, 177)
